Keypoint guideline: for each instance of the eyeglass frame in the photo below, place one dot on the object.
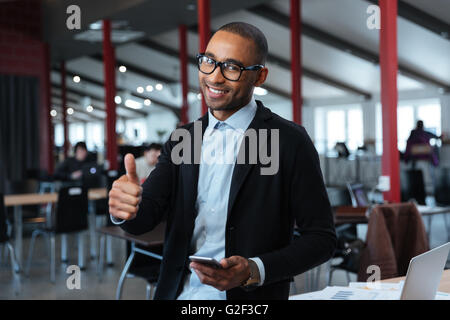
(254, 67)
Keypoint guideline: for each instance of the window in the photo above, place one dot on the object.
(136, 131)
(408, 113)
(338, 124)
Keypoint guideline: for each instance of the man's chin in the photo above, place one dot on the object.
(221, 107)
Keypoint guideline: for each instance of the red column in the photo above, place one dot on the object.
(110, 92)
(64, 108)
(48, 125)
(296, 60)
(390, 161)
(204, 32)
(183, 73)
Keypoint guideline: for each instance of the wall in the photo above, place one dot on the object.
(22, 52)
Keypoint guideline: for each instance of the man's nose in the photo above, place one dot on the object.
(216, 76)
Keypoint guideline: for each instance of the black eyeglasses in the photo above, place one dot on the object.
(230, 71)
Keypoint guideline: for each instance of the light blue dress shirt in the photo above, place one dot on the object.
(220, 146)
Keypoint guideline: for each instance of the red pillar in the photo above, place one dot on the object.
(48, 125)
(296, 60)
(390, 161)
(110, 92)
(184, 73)
(204, 32)
(64, 108)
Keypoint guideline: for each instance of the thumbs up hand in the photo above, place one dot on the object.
(126, 193)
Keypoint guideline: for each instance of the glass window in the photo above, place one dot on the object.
(59, 135)
(335, 128)
(76, 133)
(405, 123)
(355, 132)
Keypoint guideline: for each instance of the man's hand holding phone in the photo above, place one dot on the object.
(233, 273)
(126, 193)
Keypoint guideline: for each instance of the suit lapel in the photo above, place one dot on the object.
(241, 171)
(191, 173)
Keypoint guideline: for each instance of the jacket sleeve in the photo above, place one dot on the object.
(156, 194)
(309, 204)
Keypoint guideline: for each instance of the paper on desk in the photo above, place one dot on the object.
(396, 286)
(347, 293)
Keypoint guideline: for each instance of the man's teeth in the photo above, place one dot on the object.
(216, 91)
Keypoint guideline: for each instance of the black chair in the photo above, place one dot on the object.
(412, 186)
(70, 217)
(4, 241)
(442, 192)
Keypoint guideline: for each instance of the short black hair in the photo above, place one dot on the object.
(251, 32)
(156, 146)
(80, 144)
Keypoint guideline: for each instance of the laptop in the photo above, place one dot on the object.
(424, 274)
(358, 195)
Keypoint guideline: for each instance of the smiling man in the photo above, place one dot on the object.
(230, 211)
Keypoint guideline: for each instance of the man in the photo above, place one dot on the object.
(418, 146)
(71, 169)
(146, 163)
(232, 212)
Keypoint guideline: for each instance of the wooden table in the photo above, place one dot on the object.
(444, 285)
(19, 200)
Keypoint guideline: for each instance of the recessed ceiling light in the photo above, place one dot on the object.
(149, 88)
(199, 96)
(140, 89)
(147, 102)
(76, 79)
(69, 111)
(89, 108)
(122, 69)
(118, 99)
(159, 87)
(53, 113)
(133, 104)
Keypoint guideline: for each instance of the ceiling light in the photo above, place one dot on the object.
(122, 69)
(159, 87)
(149, 88)
(133, 104)
(260, 91)
(147, 102)
(53, 113)
(89, 108)
(76, 79)
(69, 111)
(117, 99)
(199, 96)
(140, 89)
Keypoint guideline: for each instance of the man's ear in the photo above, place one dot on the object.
(262, 77)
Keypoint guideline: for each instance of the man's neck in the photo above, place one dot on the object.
(223, 115)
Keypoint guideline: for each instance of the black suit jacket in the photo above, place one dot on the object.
(262, 211)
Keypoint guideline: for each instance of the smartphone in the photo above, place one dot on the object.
(205, 260)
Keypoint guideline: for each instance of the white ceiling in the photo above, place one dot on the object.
(418, 49)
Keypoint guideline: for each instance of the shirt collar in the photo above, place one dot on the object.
(239, 120)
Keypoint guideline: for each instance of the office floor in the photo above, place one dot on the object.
(38, 286)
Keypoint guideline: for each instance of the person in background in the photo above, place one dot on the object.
(418, 145)
(71, 169)
(146, 163)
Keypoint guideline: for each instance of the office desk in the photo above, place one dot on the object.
(444, 285)
(19, 200)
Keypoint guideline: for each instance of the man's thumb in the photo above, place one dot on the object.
(130, 168)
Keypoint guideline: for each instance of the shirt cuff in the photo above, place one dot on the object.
(116, 221)
(262, 273)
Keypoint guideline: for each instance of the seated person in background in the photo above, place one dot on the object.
(418, 145)
(146, 163)
(71, 169)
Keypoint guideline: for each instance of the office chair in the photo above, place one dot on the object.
(4, 241)
(442, 193)
(70, 217)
